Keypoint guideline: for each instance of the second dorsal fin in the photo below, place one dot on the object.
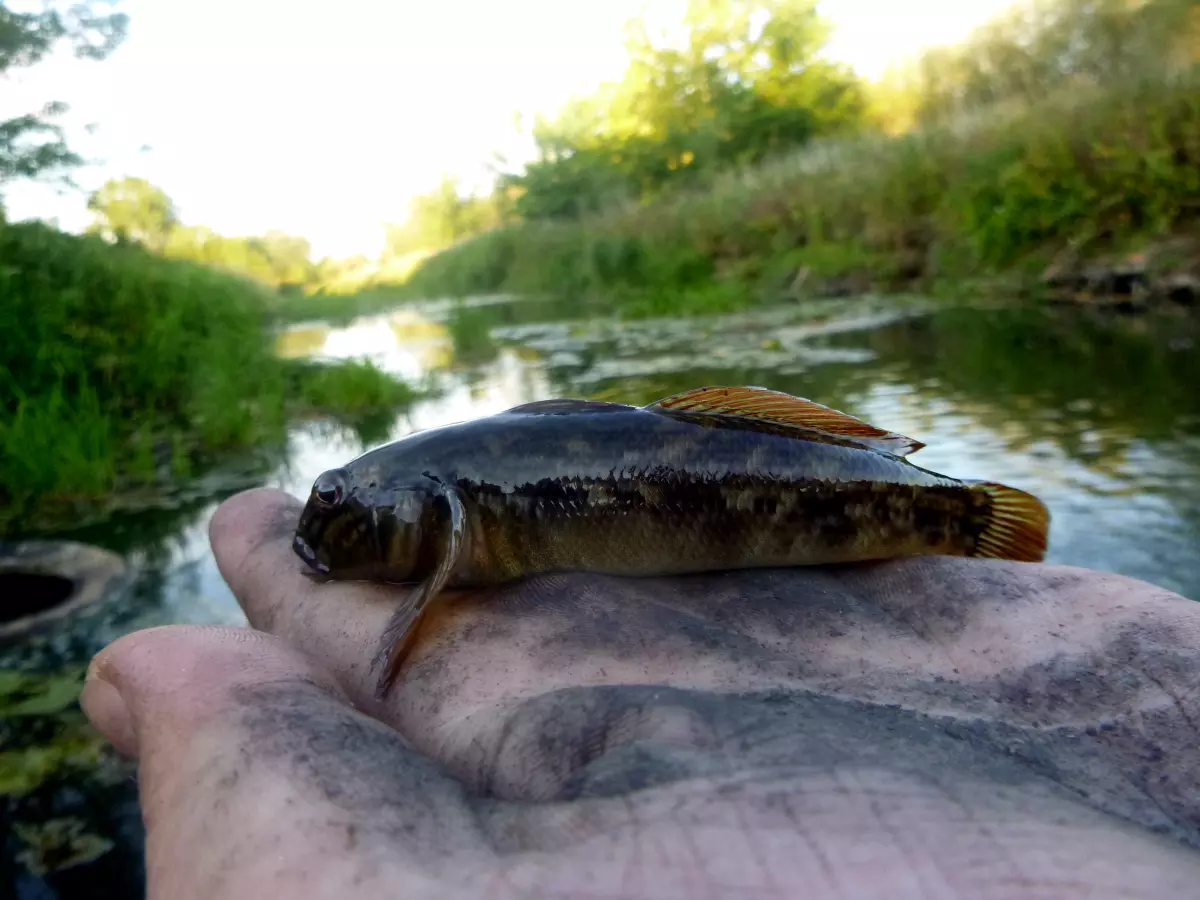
(784, 409)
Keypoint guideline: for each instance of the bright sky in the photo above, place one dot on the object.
(324, 119)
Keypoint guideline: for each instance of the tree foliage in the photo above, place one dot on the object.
(742, 80)
(1061, 135)
(32, 145)
(442, 217)
(289, 257)
(132, 210)
(1038, 46)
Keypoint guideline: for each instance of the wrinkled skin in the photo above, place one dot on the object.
(913, 729)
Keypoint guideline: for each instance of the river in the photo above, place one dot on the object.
(1098, 414)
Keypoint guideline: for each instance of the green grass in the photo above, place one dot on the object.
(1091, 169)
(353, 393)
(121, 371)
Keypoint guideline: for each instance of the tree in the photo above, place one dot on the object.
(441, 217)
(289, 258)
(31, 145)
(132, 209)
(737, 81)
(1037, 46)
(745, 80)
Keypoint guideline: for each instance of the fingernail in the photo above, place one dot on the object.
(107, 711)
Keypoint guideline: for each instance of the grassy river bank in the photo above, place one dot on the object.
(123, 373)
(1057, 194)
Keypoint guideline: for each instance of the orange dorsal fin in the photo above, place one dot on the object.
(784, 409)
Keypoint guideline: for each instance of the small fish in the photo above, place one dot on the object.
(716, 478)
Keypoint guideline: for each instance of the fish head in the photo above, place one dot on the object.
(352, 529)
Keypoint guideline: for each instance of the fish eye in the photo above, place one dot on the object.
(330, 488)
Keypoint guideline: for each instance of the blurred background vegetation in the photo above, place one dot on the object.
(732, 152)
(135, 354)
(729, 163)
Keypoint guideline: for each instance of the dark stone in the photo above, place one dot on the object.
(1182, 288)
(43, 582)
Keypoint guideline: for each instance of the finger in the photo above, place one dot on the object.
(257, 778)
(337, 623)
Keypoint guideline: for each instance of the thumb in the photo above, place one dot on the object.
(163, 684)
(256, 775)
(177, 699)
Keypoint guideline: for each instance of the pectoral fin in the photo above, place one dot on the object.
(784, 409)
(405, 624)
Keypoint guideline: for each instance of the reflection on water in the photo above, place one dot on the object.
(1098, 417)
(404, 343)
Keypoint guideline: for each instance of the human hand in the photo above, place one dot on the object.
(920, 728)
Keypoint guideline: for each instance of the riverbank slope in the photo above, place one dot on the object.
(123, 373)
(1064, 194)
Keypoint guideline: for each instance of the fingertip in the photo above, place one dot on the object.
(161, 684)
(198, 707)
(106, 710)
(247, 522)
(120, 676)
(251, 512)
(252, 536)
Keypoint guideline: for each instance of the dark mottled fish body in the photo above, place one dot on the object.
(568, 485)
(637, 493)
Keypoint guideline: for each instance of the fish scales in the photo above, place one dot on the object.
(657, 525)
(713, 479)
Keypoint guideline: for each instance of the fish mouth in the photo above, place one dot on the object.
(306, 553)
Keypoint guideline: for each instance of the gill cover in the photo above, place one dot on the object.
(402, 629)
